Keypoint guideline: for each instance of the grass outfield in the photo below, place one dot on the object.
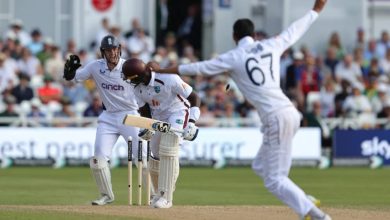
(358, 188)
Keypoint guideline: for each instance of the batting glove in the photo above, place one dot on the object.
(146, 134)
(190, 132)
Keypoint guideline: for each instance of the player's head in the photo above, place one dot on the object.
(110, 49)
(134, 71)
(242, 28)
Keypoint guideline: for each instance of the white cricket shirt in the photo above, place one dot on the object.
(165, 94)
(116, 94)
(255, 66)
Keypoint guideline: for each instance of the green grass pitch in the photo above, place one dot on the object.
(335, 187)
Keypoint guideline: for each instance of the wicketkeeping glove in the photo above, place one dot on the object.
(71, 65)
(146, 134)
(190, 132)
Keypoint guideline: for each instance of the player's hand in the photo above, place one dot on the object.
(71, 65)
(154, 66)
(146, 134)
(319, 5)
(190, 132)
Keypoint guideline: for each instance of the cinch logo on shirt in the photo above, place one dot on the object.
(112, 87)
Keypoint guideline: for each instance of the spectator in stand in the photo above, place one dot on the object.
(162, 16)
(385, 113)
(29, 64)
(356, 103)
(102, 32)
(45, 54)
(348, 70)
(207, 118)
(55, 64)
(327, 97)
(16, 31)
(85, 58)
(371, 51)
(331, 60)
(116, 32)
(314, 119)
(170, 43)
(360, 39)
(36, 44)
(48, 92)
(9, 111)
(340, 98)
(334, 41)
(324, 71)
(385, 63)
(358, 58)
(382, 45)
(75, 92)
(135, 27)
(374, 70)
(293, 74)
(65, 113)
(140, 46)
(190, 30)
(380, 97)
(36, 116)
(285, 61)
(161, 56)
(23, 91)
(10, 63)
(6, 76)
(230, 116)
(188, 55)
(70, 48)
(309, 80)
(95, 108)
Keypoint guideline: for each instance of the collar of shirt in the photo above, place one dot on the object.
(152, 78)
(117, 67)
(245, 40)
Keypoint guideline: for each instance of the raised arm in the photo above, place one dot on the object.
(319, 5)
(296, 30)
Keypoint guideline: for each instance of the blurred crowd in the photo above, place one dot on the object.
(339, 82)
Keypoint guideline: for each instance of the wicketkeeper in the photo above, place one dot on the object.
(118, 100)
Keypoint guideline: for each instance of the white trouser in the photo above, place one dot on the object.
(109, 129)
(273, 160)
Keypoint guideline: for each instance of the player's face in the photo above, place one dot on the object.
(112, 54)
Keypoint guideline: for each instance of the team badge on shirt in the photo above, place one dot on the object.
(157, 89)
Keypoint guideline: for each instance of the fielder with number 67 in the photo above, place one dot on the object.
(255, 68)
(165, 97)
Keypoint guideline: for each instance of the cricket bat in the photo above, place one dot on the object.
(149, 123)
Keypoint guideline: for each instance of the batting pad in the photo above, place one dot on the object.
(169, 164)
(101, 171)
(154, 168)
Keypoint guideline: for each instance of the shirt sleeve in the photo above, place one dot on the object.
(214, 66)
(180, 87)
(84, 73)
(293, 33)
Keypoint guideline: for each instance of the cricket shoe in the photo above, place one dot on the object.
(153, 199)
(162, 203)
(104, 200)
(317, 203)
